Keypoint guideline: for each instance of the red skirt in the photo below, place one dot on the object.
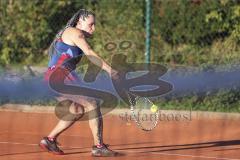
(61, 72)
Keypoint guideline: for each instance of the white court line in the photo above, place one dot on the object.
(29, 144)
(184, 155)
(41, 134)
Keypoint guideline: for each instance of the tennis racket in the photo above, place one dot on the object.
(145, 113)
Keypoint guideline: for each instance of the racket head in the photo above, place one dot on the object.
(145, 113)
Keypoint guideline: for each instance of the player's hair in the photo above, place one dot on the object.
(83, 14)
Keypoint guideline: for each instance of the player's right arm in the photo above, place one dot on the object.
(78, 38)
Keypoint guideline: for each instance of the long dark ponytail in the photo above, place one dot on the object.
(83, 14)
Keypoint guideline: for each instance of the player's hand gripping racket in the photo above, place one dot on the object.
(145, 113)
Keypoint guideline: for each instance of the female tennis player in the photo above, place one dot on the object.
(71, 42)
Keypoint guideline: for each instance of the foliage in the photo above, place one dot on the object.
(198, 33)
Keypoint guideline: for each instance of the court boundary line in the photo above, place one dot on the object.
(30, 133)
(18, 143)
(34, 144)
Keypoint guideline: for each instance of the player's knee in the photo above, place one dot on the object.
(93, 104)
(76, 108)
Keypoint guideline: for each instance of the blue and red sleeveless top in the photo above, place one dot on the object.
(65, 55)
(64, 51)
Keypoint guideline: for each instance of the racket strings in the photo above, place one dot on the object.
(143, 116)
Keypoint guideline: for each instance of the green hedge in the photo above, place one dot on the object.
(27, 27)
(196, 33)
(186, 22)
(219, 101)
(184, 32)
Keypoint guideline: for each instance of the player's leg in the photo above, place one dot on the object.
(95, 122)
(75, 112)
(49, 143)
(96, 126)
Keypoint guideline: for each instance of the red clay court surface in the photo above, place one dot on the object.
(198, 139)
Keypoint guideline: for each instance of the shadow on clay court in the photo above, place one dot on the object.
(175, 147)
(186, 146)
(71, 153)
